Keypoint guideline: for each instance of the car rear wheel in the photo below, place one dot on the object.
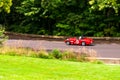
(83, 43)
(68, 43)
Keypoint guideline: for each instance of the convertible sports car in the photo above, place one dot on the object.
(79, 41)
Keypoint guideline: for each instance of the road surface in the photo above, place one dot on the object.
(103, 50)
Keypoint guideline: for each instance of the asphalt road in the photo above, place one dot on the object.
(103, 50)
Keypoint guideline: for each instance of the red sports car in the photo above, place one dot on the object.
(79, 41)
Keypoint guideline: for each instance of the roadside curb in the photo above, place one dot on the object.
(105, 60)
(13, 35)
(110, 60)
(22, 36)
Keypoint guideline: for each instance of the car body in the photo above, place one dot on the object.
(79, 41)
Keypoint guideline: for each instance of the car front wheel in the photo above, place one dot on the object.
(83, 43)
(68, 43)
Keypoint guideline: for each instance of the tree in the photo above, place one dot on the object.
(102, 4)
(5, 5)
(63, 17)
(39, 13)
(110, 11)
(3, 37)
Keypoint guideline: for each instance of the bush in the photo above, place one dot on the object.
(2, 35)
(82, 55)
(43, 54)
(56, 54)
(69, 55)
(97, 62)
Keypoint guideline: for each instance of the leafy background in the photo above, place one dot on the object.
(62, 17)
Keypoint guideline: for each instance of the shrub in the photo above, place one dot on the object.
(82, 54)
(3, 37)
(43, 54)
(81, 57)
(97, 62)
(69, 55)
(56, 54)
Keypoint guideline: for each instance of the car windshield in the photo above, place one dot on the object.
(81, 37)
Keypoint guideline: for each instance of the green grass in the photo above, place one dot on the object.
(27, 68)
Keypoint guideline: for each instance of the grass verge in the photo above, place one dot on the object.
(28, 68)
(82, 55)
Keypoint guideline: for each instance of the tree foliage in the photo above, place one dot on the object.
(101, 4)
(3, 37)
(5, 5)
(63, 17)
